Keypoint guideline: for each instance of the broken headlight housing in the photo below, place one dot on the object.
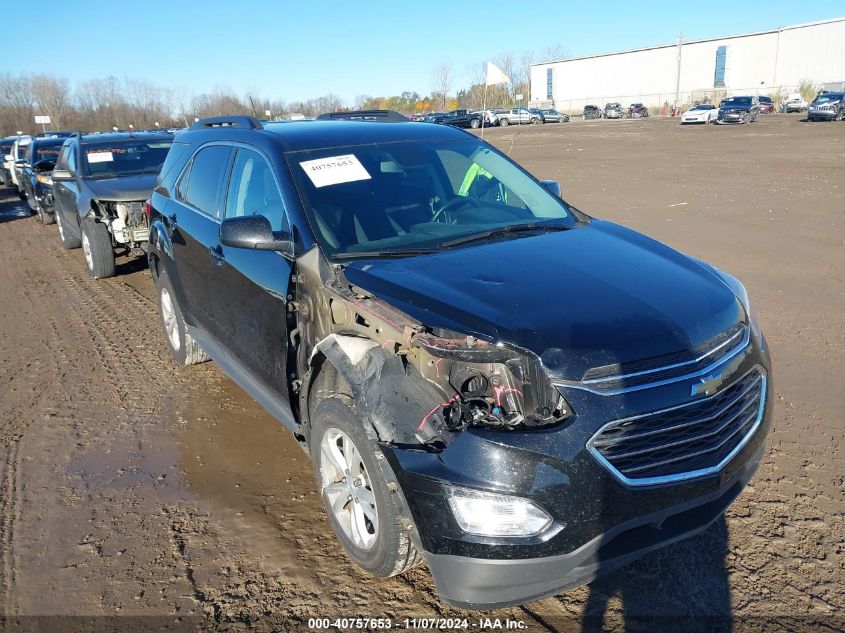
(489, 385)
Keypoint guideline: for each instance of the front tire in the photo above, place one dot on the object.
(45, 217)
(183, 348)
(505, 122)
(474, 123)
(97, 246)
(351, 475)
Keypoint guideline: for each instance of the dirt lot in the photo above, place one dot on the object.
(130, 487)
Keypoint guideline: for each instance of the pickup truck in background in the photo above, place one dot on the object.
(519, 116)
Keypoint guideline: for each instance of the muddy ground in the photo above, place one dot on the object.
(131, 487)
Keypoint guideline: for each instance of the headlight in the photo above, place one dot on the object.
(44, 179)
(488, 514)
(489, 385)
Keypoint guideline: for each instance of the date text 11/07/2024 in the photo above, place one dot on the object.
(436, 624)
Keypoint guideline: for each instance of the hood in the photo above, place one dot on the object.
(591, 296)
(123, 188)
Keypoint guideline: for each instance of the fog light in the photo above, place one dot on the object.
(488, 514)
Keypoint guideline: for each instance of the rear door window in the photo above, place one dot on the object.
(207, 173)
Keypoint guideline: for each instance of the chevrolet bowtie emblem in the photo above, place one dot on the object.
(707, 386)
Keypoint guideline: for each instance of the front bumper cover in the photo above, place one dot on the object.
(599, 523)
(479, 583)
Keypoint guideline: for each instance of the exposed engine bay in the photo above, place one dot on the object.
(417, 385)
(127, 221)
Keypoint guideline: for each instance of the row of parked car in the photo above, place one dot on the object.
(351, 275)
(827, 106)
(494, 117)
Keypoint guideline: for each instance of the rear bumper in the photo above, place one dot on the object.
(479, 583)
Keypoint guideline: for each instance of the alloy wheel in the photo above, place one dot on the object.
(347, 489)
(86, 248)
(168, 315)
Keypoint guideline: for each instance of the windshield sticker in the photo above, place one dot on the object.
(334, 170)
(100, 157)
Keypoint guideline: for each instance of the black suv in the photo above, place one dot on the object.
(41, 156)
(827, 106)
(100, 185)
(485, 378)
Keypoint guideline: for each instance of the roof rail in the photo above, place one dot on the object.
(384, 116)
(240, 121)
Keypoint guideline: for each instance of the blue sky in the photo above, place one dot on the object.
(297, 50)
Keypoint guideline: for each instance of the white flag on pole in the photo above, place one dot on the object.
(495, 75)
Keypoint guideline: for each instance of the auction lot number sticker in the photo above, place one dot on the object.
(334, 170)
(418, 624)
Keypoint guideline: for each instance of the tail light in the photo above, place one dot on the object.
(148, 210)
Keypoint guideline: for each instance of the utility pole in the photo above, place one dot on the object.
(678, 79)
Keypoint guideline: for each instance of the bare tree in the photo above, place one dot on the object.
(443, 78)
(52, 97)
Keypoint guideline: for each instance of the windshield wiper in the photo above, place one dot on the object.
(390, 253)
(503, 230)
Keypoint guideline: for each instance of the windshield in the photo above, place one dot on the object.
(107, 160)
(22, 150)
(613, 105)
(737, 101)
(703, 107)
(45, 152)
(828, 98)
(410, 195)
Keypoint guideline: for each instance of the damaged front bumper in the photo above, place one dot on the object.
(598, 521)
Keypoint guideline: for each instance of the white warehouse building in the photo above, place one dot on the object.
(764, 63)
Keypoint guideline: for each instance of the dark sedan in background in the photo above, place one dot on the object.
(739, 110)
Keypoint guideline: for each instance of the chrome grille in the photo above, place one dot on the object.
(690, 440)
(612, 379)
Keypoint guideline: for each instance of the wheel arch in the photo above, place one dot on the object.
(388, 393)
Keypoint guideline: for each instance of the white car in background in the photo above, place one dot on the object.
(702, 113)
(794, 103)
(14, 160)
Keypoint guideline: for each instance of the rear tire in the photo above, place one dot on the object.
(474, 123)
(67, 240)
(183, 348)
(351, 475)
(98, 249)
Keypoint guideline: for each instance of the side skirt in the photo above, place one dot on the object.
(236, 370)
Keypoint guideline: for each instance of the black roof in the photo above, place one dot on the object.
(113, 137)
(293, 136)
(48, 141)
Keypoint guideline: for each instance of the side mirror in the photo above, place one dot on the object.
(553, 187)
(62, 174)
(253, 231)
(8, 157)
